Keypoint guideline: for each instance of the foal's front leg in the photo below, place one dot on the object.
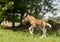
(31, 30)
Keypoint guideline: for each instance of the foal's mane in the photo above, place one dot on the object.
(28, 14)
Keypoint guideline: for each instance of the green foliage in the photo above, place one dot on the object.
(10, 5)
(4, 6)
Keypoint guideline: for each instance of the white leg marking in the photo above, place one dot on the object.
(31, 30)
(44, 32)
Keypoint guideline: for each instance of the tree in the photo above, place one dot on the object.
(34, 7)
(5, 5)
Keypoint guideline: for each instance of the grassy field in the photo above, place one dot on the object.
(7, 35)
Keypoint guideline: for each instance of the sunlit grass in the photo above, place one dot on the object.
(24, 36)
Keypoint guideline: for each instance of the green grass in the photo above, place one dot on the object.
(7, 35)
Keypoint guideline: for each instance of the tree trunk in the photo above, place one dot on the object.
(13, 21)
(21, 18)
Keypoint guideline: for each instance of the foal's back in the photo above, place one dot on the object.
(36, 21)
(40, 22)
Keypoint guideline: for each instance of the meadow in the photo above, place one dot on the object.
(8, 35)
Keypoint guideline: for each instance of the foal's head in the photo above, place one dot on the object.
(26, 17)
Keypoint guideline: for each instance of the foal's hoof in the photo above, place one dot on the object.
(43, 36)
(31, 34)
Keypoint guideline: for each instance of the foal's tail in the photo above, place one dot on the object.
(49, 25)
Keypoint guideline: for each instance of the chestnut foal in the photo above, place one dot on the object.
(36, 22)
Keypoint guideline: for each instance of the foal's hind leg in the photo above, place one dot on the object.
(44, 32)
(31, 30)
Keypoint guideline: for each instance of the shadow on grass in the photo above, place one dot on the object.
(16, 28)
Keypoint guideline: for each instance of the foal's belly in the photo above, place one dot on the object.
(39, 25)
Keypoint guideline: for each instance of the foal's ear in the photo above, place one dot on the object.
(25, 14)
